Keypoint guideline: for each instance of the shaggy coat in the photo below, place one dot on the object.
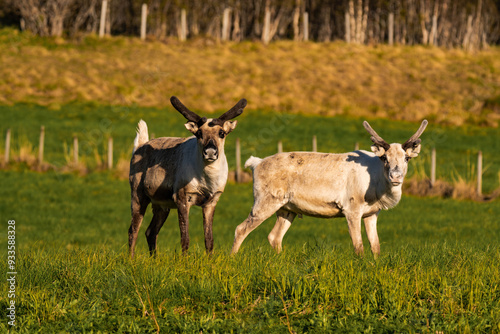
(177, 173)
(355, 185)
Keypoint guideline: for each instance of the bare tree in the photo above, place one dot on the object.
(470, 24)
(85, 16)
(35, 16)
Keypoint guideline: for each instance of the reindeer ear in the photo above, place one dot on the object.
(229, 126)
(378, 150)
(413, 151)
(192, 127)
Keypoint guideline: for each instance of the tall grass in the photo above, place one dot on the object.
(398, 82)
(438, 270)
(310, 288)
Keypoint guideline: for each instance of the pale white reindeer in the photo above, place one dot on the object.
(176, 173)
(354, 185)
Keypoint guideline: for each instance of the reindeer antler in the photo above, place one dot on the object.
(234, 111)
(188, 114)
(375, 138)
(231, 113)
(415, 140)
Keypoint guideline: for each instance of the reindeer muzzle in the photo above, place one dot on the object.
(396, 176)
(210, 152)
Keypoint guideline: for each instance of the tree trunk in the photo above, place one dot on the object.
(359, 20)
(266, 30)
(352, 21)
(364, 23)
(236, 35)
(296, 18)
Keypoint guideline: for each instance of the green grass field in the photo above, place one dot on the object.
(438, 271)
(258, 130)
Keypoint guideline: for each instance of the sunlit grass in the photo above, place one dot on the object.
(400, 82)
(438, 269)
(259, 132)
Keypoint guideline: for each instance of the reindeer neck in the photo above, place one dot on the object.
(388, 195)
(217, 166)
(214, 175)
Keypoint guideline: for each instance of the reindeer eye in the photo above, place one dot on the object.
(222, 134)
(199, 134)
(407, 158)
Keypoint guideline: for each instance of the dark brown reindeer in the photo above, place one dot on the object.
(176, 173)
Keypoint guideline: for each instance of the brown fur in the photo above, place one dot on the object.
(177, 173)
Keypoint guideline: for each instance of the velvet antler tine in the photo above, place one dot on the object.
(188, 114)
(234, 111)
(415, 140)
(375, 138)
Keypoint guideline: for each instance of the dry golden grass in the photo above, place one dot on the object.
(24, 154)
(406, 83)
(458, 189)
(122, 168)
(79, 168)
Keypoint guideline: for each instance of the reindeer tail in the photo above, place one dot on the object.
(142, 135)
(252, 162)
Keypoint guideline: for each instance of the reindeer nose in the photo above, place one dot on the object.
(210, 152)
(396, 176)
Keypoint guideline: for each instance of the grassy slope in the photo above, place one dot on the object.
(406, 83)
(259, 132)
(437, 271)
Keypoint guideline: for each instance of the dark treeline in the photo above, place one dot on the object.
(451, 23)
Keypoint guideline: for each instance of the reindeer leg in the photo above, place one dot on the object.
(208, 219)
(371, 232)
(138, 208)
(159, 217)
(283, 223)
(183, 206)
(263, 208)
(354, 223)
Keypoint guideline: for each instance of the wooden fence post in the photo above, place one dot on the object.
(42, 143)
(237, 174)
(226, 24)
(315, 144)
(75, 149)
(7, 146)
(183, 25)
(391, 28)
(144, 16)
(110, 152)
(306, 26)
(347, 28)
(280, 146)
(433, 166)
(480, 173)
(102, 24)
